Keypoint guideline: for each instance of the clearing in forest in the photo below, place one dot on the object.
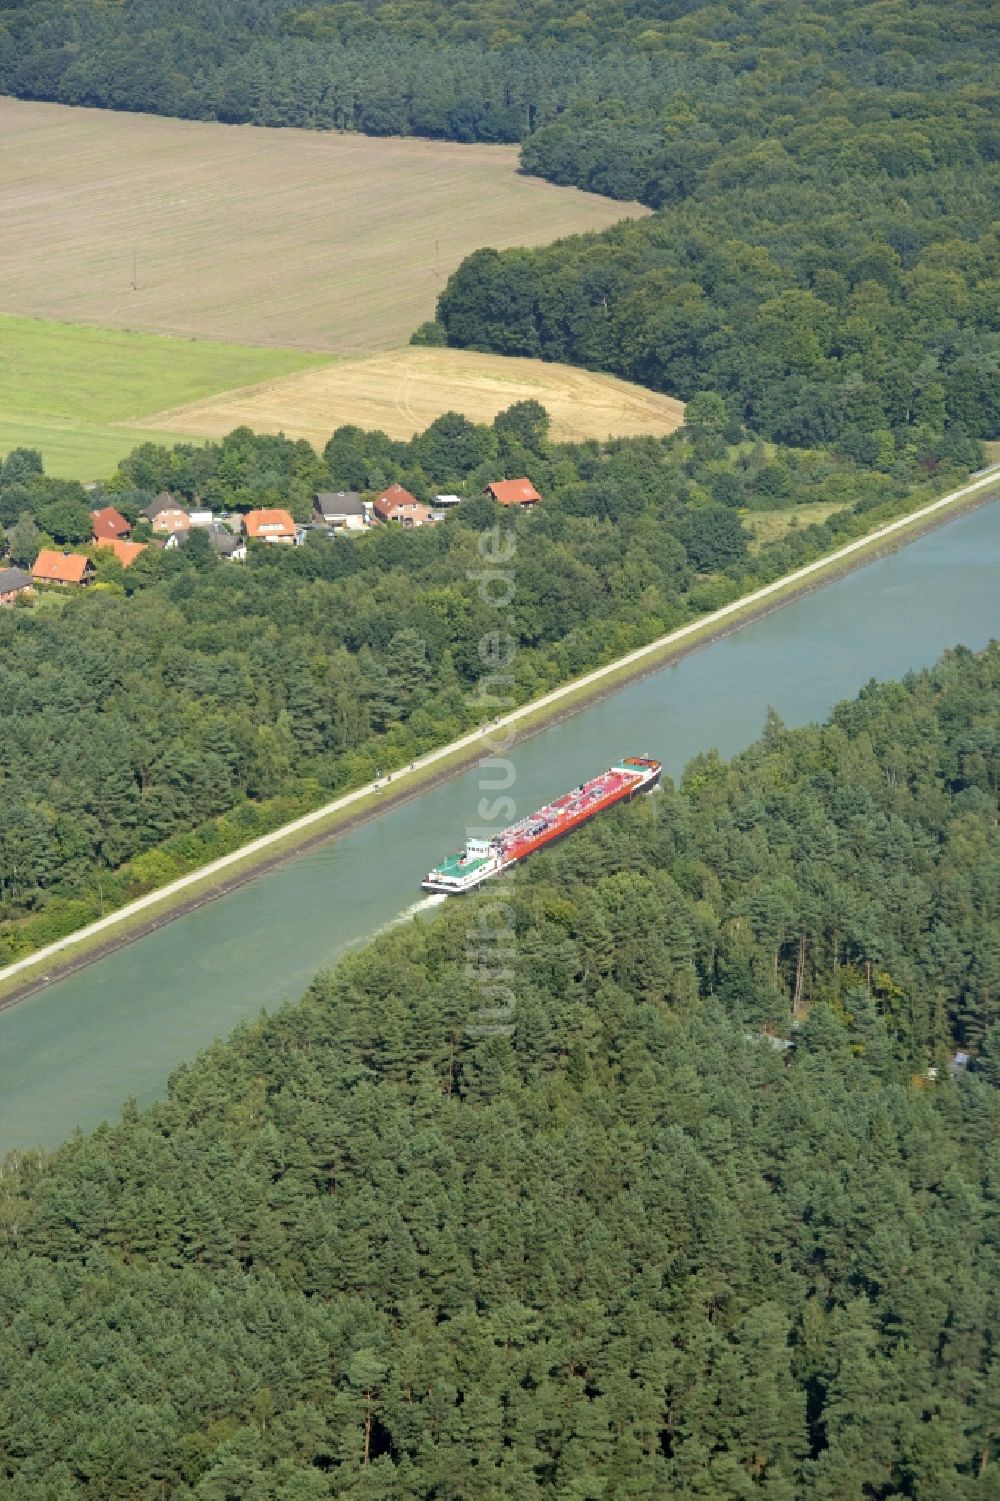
(769, 526)
(403, 390)
(299, 238)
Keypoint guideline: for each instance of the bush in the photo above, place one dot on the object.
(430, 333)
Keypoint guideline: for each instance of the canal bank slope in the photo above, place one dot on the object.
(149, 912)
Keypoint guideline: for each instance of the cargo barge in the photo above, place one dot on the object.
(483, 858)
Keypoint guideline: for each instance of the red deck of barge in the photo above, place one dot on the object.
(567, 811)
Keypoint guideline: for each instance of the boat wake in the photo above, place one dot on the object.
(426, 904)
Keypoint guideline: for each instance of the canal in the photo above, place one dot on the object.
(72, 1053)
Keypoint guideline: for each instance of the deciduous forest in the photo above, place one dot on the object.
(625, 1246)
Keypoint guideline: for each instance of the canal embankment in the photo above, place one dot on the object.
(185, 894)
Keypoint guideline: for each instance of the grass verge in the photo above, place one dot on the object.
(770, 526)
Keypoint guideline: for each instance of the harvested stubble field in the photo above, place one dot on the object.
(328, 242)
(401, 392)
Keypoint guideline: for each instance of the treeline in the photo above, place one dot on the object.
(319, 69)
(489, 71)
(624, 1246)
(182, 705)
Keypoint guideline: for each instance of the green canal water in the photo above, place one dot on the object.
(71, 1054)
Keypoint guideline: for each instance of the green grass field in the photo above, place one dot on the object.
(69, 390)
(78, 450)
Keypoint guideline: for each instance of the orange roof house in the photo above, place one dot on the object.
(52, 567)
(107, 524)
(397, 504)
(125, 552)
(269, 526)
(513, 492)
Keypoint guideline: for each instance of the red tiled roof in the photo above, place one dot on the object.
(514, 492)
(268, 523)
(125, 552)
(387, 504)
(396, 503)
(60, 567)
(108, 523)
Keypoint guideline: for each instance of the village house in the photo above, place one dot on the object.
(166, 514)
(109, 525)
(270, 526)
(13, 582)
(125, 552)
(341, 508)
(416, 515)
(397, 504)
(51, 567)
(514, 492)
(222, 541)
